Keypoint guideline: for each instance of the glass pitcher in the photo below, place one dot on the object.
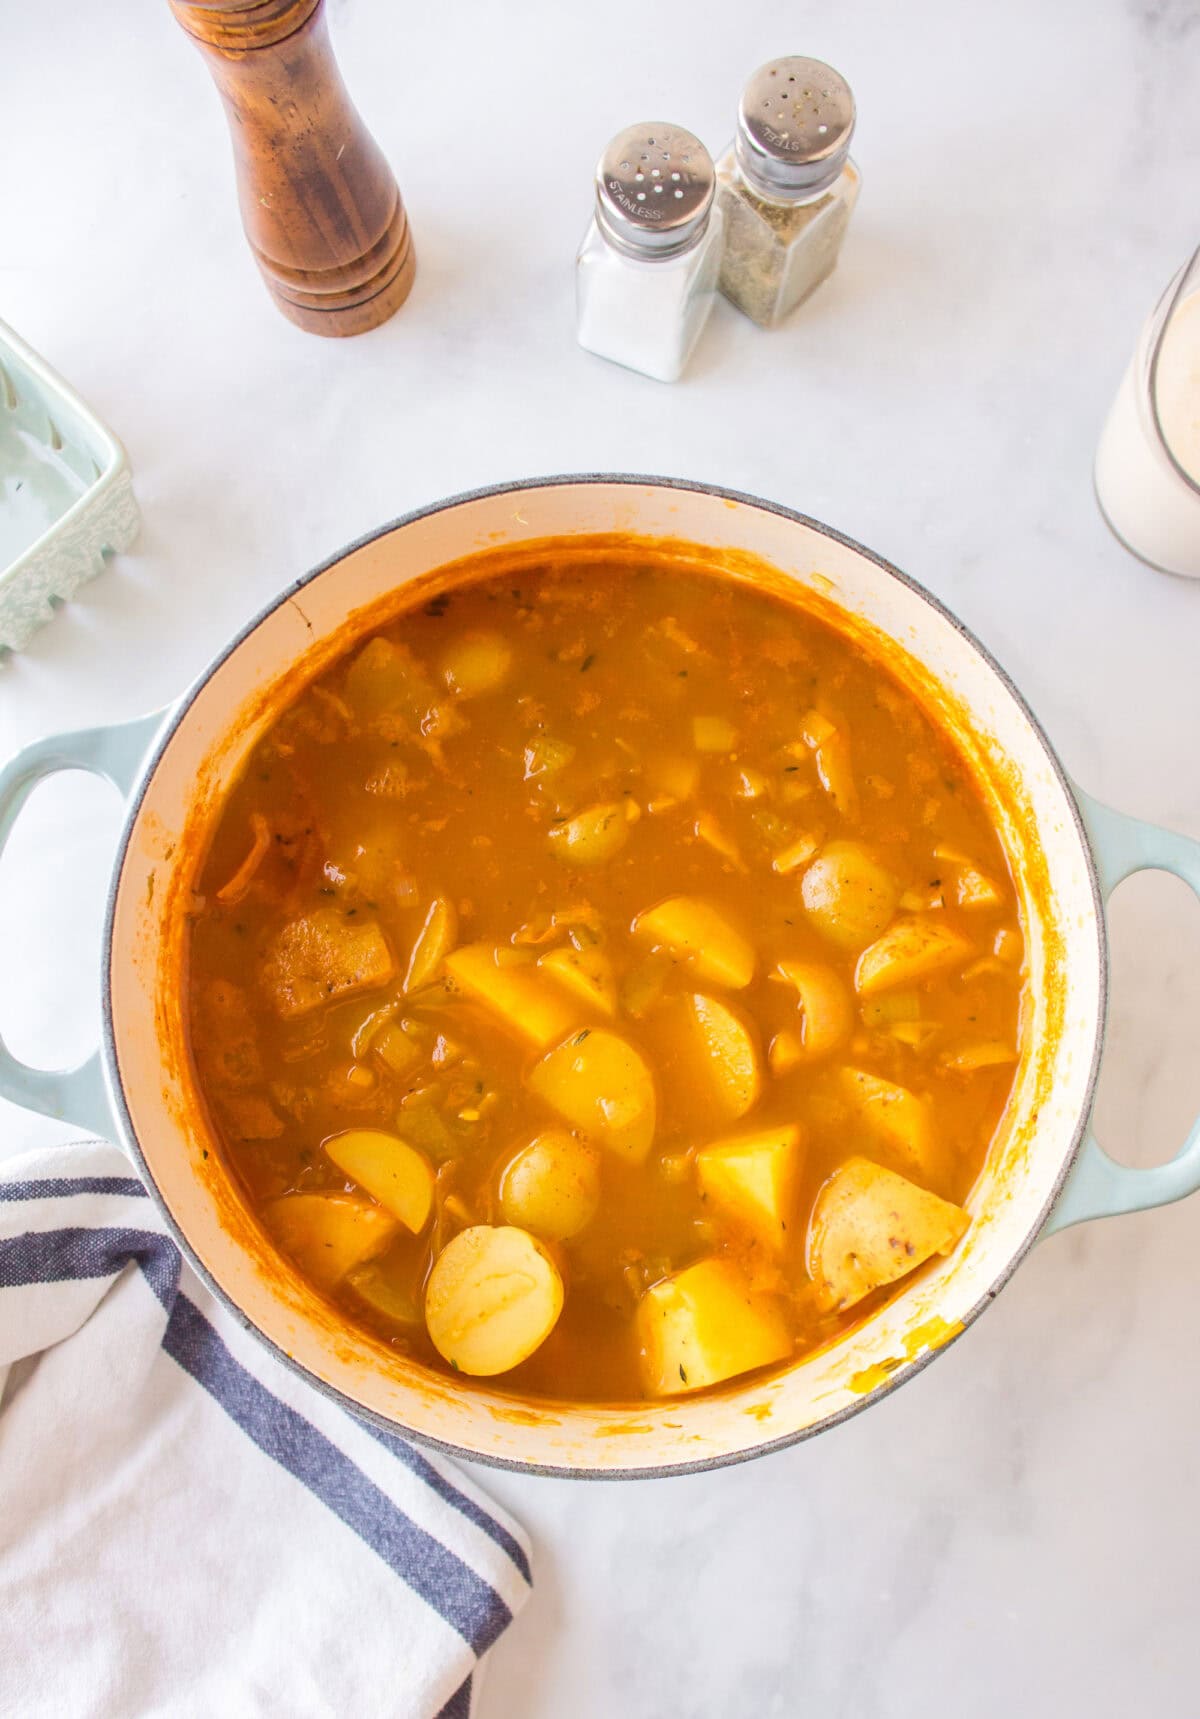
(1148, 461)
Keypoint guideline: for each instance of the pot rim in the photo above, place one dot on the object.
(656, 1471)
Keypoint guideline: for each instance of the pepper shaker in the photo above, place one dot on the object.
(646, 273)
(320, 206)
(787, 187)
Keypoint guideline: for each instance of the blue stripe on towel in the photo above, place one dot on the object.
(57, 1256)
(467, 1602)
(58, 1188)
(459, 1704)
(447, 1490)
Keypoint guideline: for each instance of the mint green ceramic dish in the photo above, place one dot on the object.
(66, 499)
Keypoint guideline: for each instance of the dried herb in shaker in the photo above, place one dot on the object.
(786, 186)
(646, 274)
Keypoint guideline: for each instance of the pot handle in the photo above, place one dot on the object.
(77, 1095)
(1097, 1187)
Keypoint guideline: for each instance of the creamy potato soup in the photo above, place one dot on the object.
(605, 981)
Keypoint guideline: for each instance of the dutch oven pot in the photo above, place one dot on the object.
(1067, 853)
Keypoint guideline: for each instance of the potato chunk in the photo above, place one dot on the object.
(434, 942)
(826, 1010)
(601, 1086)
(493, 1296)
(591, 836)
(848, 896)
(552, 1186)
(870, 1227)
(328, 1234)
(698, 932)
(726, 1055)
(895, 1116)
(520, 996)
(706, 1324)
(588, 973)
(324, 957)
(476, 663)
(752, 1177)
(909, 950)
(389, 1169)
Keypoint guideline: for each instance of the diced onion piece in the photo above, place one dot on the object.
(588, 973)
(394, 1047)
(327, 1235)
(831, 754)
(726, 1055)
(552, 1186)
(600, 1085)
(909, 950)
(870, 1227)
(493, 1296)
(592, 836)
(751, 784)
(826, 1009)
(713, 734)
(389, 1169)
(706, 1324)
(986, 1053)
(524, 999)
(896, 1116)
(1007, 946)
(752, 1178)
(848, 896)
(700, 933)
(476, 663)
(796, 854)
(710, 832)
(546, 756)
(434, 942)
(975, 891)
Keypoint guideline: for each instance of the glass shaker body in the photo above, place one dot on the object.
(787, 186)
(646, 272)
(777, 253)
(646, 314)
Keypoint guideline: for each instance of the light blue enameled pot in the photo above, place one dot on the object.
(1067, 854)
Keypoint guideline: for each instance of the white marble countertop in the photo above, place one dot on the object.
(1015, 1531)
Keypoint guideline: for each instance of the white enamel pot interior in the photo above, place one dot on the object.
(210, 733)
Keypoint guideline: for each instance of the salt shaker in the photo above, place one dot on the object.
(787, 187)
(646, 273)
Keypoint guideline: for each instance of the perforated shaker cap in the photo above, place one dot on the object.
(654, 190)
(795, 123)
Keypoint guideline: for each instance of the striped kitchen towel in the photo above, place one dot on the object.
(187, 1528)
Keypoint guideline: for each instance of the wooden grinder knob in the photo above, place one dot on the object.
(320, 206)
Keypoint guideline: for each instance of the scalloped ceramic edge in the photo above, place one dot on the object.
(102, 520)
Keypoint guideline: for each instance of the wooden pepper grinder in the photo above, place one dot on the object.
(320, 206)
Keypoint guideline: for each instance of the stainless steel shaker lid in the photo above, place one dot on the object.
(795, 123)
(654, 190)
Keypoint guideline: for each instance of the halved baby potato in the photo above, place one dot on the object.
(752, 1178)
(389, 1169)
(599, 1084)
(494, 1295)
(909, 950)
(870, 1227)
(520, 996)
(705, 1324)
(698, 932)
(725, 1055)
(848, 895)
(552, 1186)
(327, 1235)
